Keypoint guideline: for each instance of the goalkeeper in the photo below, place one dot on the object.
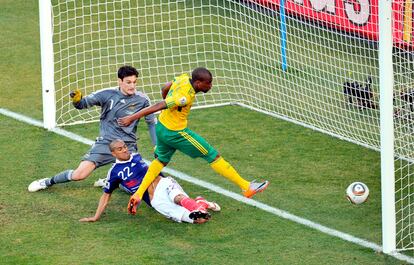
(173, 134)
(114, 102)
(164, 194)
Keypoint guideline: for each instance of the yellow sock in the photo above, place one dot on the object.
(222, 167)
(154, 170)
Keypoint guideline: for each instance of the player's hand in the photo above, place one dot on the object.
(76, 95)
(88, 219)
(133, 203)
(125, 121)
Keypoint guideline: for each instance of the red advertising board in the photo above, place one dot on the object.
(354, 16)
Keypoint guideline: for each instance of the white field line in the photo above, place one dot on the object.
(233, 195)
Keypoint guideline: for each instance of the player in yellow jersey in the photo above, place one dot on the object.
(173, 134)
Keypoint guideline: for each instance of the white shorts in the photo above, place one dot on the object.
(163, 199)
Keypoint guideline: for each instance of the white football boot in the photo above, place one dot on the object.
(37, 185)
(100, 183)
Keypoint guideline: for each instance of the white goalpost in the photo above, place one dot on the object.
(387, 127)
(341, 68)
(48, 79)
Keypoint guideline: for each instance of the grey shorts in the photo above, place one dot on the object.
(100, 154)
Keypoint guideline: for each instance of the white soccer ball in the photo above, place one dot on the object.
(357, 192)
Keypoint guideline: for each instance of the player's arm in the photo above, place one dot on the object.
(103, 202)
(165, 89)
(152, 133)
(76, 96)
(127, 120)
(81, 102)
(151, 121)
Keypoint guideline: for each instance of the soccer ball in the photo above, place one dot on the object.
(357, 192)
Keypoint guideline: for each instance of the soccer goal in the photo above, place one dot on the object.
(338, 67)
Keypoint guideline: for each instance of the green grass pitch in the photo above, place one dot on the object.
(308, 172)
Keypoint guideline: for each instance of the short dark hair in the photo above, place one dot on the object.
(201, 74)
(127, 70)
(112, 144)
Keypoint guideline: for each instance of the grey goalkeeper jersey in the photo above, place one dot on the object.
(115, 105)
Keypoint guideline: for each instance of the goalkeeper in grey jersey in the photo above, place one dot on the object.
(115, 103)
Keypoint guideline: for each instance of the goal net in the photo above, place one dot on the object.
(315, 64)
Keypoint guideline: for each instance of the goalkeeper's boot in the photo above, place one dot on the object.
(255, 187)
(200, 213)
(208, 205)
(100, 183)
(38, 185)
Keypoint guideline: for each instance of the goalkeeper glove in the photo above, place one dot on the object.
(134, 201)
(76, 96)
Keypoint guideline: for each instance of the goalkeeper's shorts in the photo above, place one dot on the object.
(186, 141)
(100, 154)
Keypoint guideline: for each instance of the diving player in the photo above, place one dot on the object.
(164, 194)
(173, 134)
(115, 103)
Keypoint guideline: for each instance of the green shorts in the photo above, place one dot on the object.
(186, 141)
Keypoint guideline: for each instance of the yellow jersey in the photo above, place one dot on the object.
(179, 100)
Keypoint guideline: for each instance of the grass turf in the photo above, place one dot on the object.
(308, 172)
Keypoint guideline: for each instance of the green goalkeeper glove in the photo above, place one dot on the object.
(76, 96)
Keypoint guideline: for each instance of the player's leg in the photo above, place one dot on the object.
(84, 169)
(98, 155)
(170, 200)
(196, 210)
(196, 146)
(224, 168)
(163, 153)
(178, 196)
(207, 204)
(153, 171)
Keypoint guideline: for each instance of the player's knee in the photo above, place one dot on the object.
(83, 171)
(179, 198)
(164, 163)
(79, 175)
(217, 157)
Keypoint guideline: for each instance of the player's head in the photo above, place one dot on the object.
(119, 150)
(202, 79)
(127, 79)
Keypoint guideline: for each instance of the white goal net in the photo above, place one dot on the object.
(313, 64)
